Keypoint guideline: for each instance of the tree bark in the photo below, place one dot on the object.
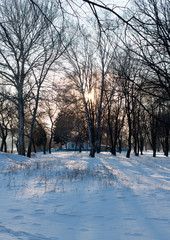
(44, 145)
(141, 144)
(4, 136)
(21, 140)
(110, 130)
(129, 137)
(34, 147)
(154, 135)
(33, 122)
(120, 145)
(50, 142)
(166, 141)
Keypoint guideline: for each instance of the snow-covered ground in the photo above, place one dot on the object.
(70, 196)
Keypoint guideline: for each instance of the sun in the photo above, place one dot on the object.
(89, 96)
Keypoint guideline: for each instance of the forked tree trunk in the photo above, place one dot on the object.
(4, 137)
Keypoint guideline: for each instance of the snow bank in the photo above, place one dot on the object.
(68, 195)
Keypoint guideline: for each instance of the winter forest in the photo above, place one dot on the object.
(84, 119)
(95, 72)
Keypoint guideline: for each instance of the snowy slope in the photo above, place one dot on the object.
(67, 195)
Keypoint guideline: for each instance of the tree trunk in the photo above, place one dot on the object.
(12, 144)
(99, 114)
(44, 146)
(136, 147)
(114, 147)
(141, 145)
(116, 135)
(111, 138)
(92, 151)
(129, 137)
(80, 145)
(33, 123)
(21, 140)
(154, 144)
(154, 135)
(120, 145)
(50, 142)
(154, 152)
(90, 126)
(110, 131)
(4, 144)
(34, 147)
(166, 142)
(93, 146)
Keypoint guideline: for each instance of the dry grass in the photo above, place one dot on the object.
(53, 176)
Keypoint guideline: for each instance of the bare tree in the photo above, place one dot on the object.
(127, 69)
(146, 35)
(154, 46)
(4, 124)
(89, 65)
(48, 111)
(82, 76)
(7, 119)
(28, 49)
(115, 119)
(147, 28)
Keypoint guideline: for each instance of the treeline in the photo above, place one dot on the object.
(104, 80)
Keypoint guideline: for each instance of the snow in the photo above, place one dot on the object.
(68, 195)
